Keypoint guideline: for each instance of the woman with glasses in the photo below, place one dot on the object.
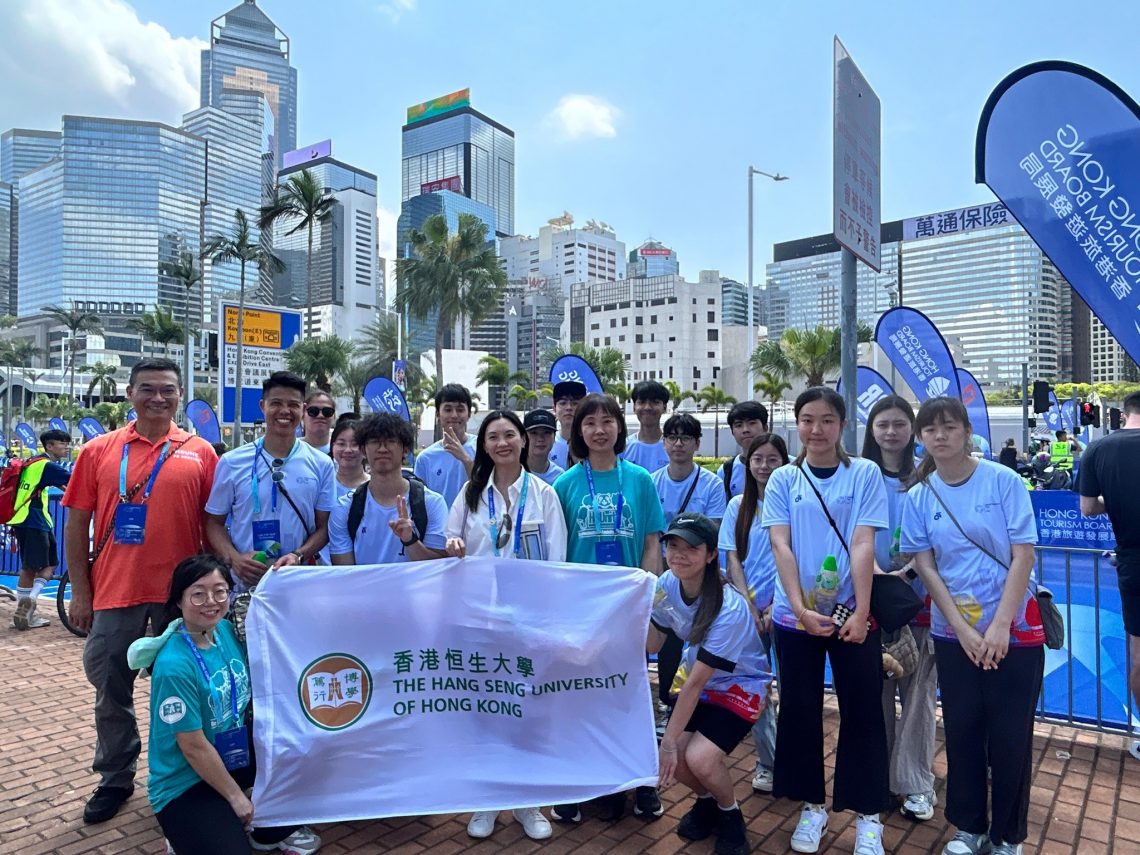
(506, 512)
(348, 457)
(320, 411)
(752, 570)
(201, 751)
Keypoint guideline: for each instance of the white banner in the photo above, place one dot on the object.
(447, 686)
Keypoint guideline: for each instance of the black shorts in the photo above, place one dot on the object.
(1128, 578)
(37, 548)
(722, 728)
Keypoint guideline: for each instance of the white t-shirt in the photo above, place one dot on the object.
(543, 532)
(376, 543)
(855, 496)
(560, 453)
(650, 456)
(759, 565)
(993, 507)
(707, 498)
(736, 481)
(441, 470)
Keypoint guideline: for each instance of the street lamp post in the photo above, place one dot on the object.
(751, 292)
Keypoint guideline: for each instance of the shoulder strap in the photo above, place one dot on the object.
(296, 510)
(827, 513)
(417, 505)
(356, 510)
(958, 525)
(727, 477)
(692, 487)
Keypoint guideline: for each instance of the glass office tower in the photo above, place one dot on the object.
(21, 151)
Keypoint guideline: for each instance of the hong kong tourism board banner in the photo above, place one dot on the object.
(448, 686)
(1060, 145)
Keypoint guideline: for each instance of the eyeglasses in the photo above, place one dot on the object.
(327, 412)
(218, 595)
(769, 462)
(679, 438)
(504, 532)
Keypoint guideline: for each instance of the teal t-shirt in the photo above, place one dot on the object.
(641, 513)
(181, 702)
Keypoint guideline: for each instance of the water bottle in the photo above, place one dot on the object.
(827, 587)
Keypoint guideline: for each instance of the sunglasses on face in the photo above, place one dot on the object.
(327, 412)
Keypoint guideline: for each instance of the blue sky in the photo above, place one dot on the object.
(664, 105)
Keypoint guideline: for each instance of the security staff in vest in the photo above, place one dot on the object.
(33, 526)
(1061, 452)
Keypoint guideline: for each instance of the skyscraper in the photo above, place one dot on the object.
(563, 254)
(447, 145)
(248, 51)
(21, 151)
(652, 258)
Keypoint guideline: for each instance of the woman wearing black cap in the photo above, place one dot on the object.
(722, 684)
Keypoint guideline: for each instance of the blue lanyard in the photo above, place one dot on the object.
(259, 454)
(206, 672)
(594, 498)
(153, 472)
(518, 519)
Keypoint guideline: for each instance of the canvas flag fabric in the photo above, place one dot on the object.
(870, 387)
(572, 367)
(917, 350)
(384, 396)
(978, 411)
(56, 423)
(27, 436)
(447, 686)
(205, 420)
(1053, 417)
(91, 427)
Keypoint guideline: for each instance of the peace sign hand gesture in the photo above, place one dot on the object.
(402, 526)
(453, 445)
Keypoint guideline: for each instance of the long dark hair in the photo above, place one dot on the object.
(483, 466)
(871, 449)
(834, 400)
(712, 598)
(751, 497)
(189, 571)
(937, 410)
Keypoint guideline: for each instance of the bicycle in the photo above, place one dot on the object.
(61, 607)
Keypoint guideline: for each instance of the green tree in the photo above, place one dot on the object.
(31, 378)
(319, 359)
(811, 354)
(771, 387)
(303, 199)
(209, 394)
(523, 396)
(377, 346)
(496, 373)
(608, 363)
(111, 414)
(103, 376)
(354, 377)
(711, 396)
(676, 396)
(187, 272)
(76, 322)
(159, 328)
(13, 353)
(46, 407)
(454, 274)
(239, 246)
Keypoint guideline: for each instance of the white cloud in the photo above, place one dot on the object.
(92, 57)
(578, 116)
(394, 9)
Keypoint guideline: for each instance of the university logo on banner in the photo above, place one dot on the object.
(335, 691)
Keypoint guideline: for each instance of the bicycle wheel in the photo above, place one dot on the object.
(61, 607)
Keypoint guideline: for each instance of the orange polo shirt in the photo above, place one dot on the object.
(129, 575)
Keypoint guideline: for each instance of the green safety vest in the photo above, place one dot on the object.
(1061, 455)
(29, 479)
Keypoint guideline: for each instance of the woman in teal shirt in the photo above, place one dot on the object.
(200, 753)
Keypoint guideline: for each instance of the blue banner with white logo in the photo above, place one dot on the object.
(1059, 522)
(132, 415)
(56, 423)
(91, 428)
(976, 408)
(384, 396)
(205, 420)
(870, 386)
(1053, 418)
(1059, 144)
(573, 367)
(918, 351)
(27, 436)
(1069, 415)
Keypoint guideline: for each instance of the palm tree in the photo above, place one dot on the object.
(619, 391)
(377, 346)
(304, 198)
(110, 414)
(31, 378)
(238, 246)
(158, 327)
(456, 275)
(46, 407)
(103, 376)
(608, 363)
(187, 271)
(522, 396)
(812, 354)
(13, 353)
(676, 396)
(76, 322)
(711, 396)
(496, 373)
(354, 377)
(771, 387)
(318, 360)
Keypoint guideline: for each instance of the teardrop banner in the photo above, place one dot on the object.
(56, 423)
(91, 428)
(1059, 144)
(384, 396)
(918, 351)
(205, 420)
(978, 411)
(870, 387)
(27, 436)
(572, 367)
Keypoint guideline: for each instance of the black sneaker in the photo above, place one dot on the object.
(611, 808)
(702, 820)
(731, 836)
(105, 803)
(568, 814)
(646, 804)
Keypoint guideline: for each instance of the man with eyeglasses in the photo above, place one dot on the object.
(317, 420)
(391, 518)
(567, 396)
(277, 492)
(646, 449)
(143, 486)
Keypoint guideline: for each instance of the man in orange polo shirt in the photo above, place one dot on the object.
(145, 486)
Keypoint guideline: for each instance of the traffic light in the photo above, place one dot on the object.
(1096, 415)
(1041, 402)
(1086, 414)
(1114, 418)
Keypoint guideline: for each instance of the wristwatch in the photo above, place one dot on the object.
(300, 556)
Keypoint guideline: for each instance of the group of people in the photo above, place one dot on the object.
(767, 556)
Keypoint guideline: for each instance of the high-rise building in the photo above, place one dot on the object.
(249, 52)
(98, 224)
(8, 253)
(652, 258)
(345, 259)
(21, 151)
(447, 145)
(734, 304)
(562, 255)
(534, 325)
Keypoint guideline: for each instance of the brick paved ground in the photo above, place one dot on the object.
(1085, 799)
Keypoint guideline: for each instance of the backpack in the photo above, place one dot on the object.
(417, 507)
(10, 486)
(726, 476)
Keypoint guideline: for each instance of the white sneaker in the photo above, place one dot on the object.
(868, 835)
(762, 781)
(536, 826)
(169, 848)
(303, 841)
(482, 824)
(1134, 749)
(1007, 849)
(919, 806)
(809, 830)
(965, 843)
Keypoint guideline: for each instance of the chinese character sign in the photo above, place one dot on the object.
(1060, 523)
(384, 396)
(956, 222)
(1059, 144)
(266, 334)
(871, 386)
(856, 217)
(917, 350)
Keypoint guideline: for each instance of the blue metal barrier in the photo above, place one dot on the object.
(9, 552)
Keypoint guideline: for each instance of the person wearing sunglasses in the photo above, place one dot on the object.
(278, 492)
(506, 511)
(317, 420)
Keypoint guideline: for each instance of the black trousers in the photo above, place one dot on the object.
(668, 661)
(861, 762)
(994, 708)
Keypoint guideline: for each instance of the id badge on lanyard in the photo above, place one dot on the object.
(232, 745)
(606, 552)
(267, 537)
(130, 520)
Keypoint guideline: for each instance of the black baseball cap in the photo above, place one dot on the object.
(569, 389)
(694, 529)
(540, 419)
